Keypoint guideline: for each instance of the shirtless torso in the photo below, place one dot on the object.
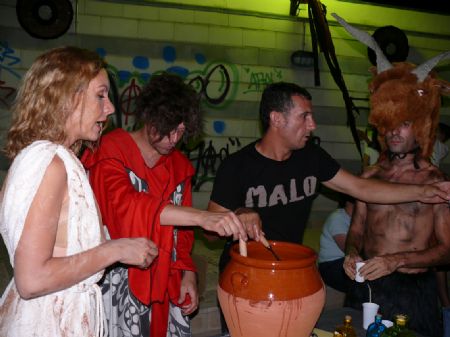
(399, 243)
(407, 237)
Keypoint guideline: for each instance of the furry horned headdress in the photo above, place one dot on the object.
(403, 92)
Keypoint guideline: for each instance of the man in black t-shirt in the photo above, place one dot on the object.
(280, 191)
(272, 182)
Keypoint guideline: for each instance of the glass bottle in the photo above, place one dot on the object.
(345, 330)
(399, 329)
(376, 328)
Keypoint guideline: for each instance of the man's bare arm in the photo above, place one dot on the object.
(383, 192)
(354, 241)
(214, 207)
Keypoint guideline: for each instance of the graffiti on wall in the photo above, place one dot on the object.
(258, 80)
(7, 60)
(202, 82)
(219, 83)
(206, 159)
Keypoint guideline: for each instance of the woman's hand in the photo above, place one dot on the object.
(139, 252)
(188, 299)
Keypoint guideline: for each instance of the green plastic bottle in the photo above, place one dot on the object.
(399, 329)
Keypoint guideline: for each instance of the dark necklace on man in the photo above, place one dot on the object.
(395, 155)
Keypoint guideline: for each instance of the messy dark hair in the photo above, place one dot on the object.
(278, 97)
(166, 102)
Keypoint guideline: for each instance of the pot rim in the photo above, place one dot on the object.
(306, 261)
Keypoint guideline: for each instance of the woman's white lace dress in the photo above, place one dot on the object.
(73, 312)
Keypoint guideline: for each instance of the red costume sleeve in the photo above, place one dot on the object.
(126, 212)
(185, 236)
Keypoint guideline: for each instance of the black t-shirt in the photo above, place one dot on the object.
(281, 192)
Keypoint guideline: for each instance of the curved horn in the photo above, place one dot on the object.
(362, 36)
(424, 69)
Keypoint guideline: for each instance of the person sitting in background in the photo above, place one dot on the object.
(332, 245)
(370, 146)
(48, 216)
(440, 149)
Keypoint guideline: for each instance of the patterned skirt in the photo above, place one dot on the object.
(126, 316)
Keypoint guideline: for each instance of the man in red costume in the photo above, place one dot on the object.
(140, 181)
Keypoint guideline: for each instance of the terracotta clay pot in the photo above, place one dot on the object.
(260, 296)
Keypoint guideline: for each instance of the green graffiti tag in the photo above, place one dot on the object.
(259, 80)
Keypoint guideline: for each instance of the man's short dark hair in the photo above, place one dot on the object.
(278, 97)
(166, 102)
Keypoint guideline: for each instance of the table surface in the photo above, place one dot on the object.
(330, 319)
(322, 333)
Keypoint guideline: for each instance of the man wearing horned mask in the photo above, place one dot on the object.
(400, 242)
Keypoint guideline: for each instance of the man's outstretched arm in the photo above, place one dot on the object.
(383, 192)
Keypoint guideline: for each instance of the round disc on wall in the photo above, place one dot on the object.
(45, 19)
(392, 41)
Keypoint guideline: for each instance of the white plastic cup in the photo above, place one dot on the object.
(369, 312)
(358, 277)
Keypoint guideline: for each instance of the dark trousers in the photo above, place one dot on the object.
(412, 294)
(333, 275)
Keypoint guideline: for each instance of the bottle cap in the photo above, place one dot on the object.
(348, 318)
